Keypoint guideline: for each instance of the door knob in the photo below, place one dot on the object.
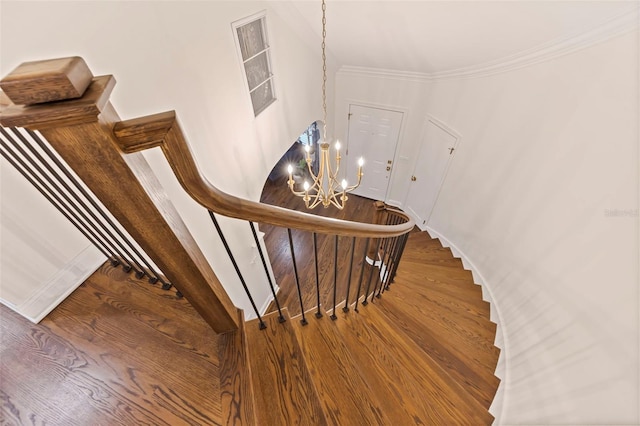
(413, 178)
(388, 168)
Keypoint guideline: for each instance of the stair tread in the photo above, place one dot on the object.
(469, 296)
(446, 261)
(284, 392)
(458, 331)
(444, 273)
(346, 397)
(459, 364)
(236, 389)
(418, 381)
(472, 315)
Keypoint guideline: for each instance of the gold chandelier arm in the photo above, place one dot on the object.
(352, 187)
(313, 176)
(163, 130)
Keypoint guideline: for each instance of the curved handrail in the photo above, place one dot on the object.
(162, 130)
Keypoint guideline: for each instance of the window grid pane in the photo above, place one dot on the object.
(262, 97)
(251, 38)
(257, 70)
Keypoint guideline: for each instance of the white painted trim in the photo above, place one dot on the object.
(267, 302)
(458, 137)
(42, 301)
(614, 27)
(263, 309)
(422, 222)
(501, 341)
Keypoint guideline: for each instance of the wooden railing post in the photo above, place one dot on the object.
(79, 123)
(379, 216)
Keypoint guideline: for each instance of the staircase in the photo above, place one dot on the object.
(423, 353)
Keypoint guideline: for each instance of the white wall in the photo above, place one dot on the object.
(182, 56)
(548, 153)
(42, 256)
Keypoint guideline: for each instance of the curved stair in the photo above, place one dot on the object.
(422, 353)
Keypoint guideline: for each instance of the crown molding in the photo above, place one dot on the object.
(614, 27)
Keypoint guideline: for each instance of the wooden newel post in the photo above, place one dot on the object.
(379, 217)
(63, 101)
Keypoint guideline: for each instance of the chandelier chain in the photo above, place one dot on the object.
(325, 188)
(324, 71)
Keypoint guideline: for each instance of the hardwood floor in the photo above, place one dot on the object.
(422, 354)
(120, 351)
(357, 209)
(117, 351)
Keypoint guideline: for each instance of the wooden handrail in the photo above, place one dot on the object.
(163, 130)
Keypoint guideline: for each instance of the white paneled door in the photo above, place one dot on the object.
(373, 135)
(437, 148)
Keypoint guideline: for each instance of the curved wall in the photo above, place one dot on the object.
(542, 196)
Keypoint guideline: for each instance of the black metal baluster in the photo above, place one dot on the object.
(345, 308)
(387, 256)
(315, 258)
(377, 288)
(97, 244)
(153, 275)
(303, 321)
(235, 266)
(396, 244)
(74, 204)
(335, 279)
(373, 267)
(364, 262)
(69, 206)
(403, 242)
(266, 271)
(394, 256)
(390, 264)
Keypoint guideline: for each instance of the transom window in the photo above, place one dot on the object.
(252, 39)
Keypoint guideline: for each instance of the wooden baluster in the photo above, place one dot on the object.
(379, 218)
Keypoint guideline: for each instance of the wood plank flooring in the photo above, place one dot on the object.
(117, 351)
(285, 394)
(421, 354)
(120, 351)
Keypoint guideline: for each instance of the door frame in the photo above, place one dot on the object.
(396, 152)
(423, 223)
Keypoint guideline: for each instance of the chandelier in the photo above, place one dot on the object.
(325, 188)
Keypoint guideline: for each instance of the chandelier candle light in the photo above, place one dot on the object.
(325, 187)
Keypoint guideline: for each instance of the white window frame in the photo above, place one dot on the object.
(261, 16)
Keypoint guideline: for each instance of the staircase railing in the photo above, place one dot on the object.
(105, 153)
(383, 241)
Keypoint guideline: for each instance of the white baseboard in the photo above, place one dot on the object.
(501, 340)
(59, 286)
(265, 305)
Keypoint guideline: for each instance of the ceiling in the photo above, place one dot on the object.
(438, 36)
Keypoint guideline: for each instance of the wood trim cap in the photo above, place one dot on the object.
(47, 81)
